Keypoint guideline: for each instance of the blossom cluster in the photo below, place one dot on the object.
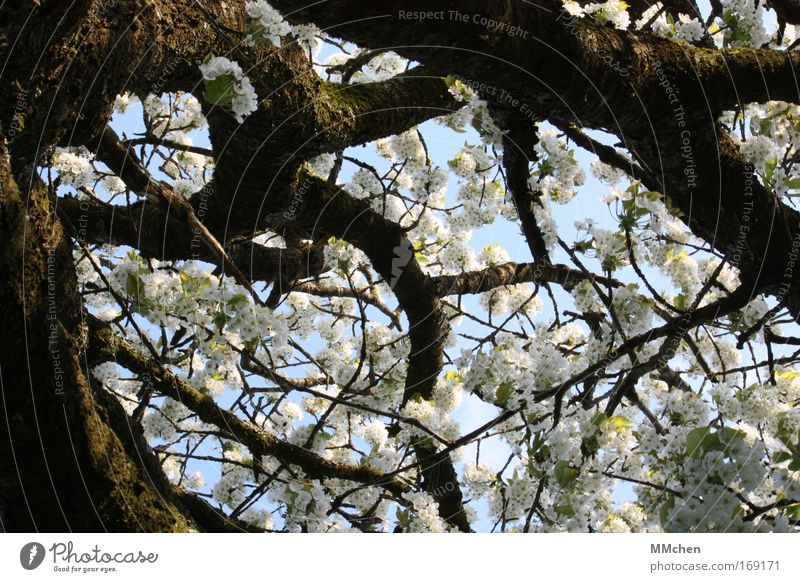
(227, 86)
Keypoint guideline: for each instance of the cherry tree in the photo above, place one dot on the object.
(399, 266)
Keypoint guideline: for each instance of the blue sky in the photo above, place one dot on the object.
(443, 144)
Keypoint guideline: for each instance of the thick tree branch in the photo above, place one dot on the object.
(148, 227)
(105, 346)
(518, 151)
(558, 56)
(512, 274)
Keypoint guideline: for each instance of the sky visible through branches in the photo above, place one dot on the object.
(480, 319)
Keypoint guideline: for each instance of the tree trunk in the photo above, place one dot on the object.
(68, 460)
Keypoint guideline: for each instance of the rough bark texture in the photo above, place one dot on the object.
(65, 459)
(63, 466)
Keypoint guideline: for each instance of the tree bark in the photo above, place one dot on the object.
(64, 462)
(67, 459)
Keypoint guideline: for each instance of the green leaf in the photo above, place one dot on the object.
(343, 265)
(619, 423)
(792, 511)
(565, 509)
(793, 184)
(546, 169)
(537, 454)
(220, 319)
(451, 123)
(769, 170)
(220, 90)
(698, 440)
(452, 375)
(255, 30)
(673, 210)
(727, 436)
(135, 286)
(701, 440)
(609, 519)
(237, 301)
(745, 393)
(504, 392)
(599, 419)
(403, 518)
(590, 445)
(566, 475)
